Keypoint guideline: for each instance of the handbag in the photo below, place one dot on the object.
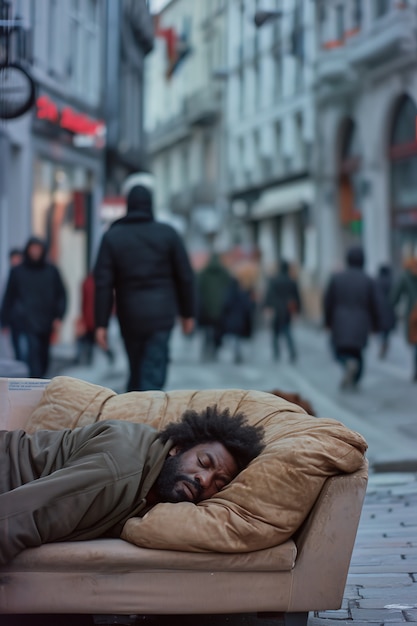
(412, 325)
(412, 318)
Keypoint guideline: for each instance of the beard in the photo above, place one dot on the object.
(168, 484)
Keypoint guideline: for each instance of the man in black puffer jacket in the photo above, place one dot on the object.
(145, 263)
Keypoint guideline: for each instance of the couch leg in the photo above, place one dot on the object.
(286, 619)
(296, 619)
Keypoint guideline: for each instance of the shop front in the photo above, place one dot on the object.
(67, 179)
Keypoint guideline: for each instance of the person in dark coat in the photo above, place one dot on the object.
(283, 300)
(406, 290)
(213, 284)
(351, 312)
(145, 264)
(383, 283)
(237, 317)
(34, 303)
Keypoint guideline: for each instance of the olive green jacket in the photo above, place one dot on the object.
(74, 484)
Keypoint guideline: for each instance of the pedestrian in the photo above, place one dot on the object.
(145, 264)
(34, 305)
(73, 485)
(15, 258)
(406, 289)
(282, 303)
(383, 283)
(86, 324)
(237, 317)
(351, 312)
(213, 284)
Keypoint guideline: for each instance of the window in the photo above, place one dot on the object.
(404, 155)
(357, 13)
(340, 23)
(381, 7)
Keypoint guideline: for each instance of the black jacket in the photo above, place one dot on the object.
(351, 308)
(146, 265)
(284, 298)
(35, 296)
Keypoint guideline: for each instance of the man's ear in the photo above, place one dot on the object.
(174, 451)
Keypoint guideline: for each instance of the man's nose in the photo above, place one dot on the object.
(205, 478)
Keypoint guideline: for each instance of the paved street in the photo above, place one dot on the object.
(382, 582)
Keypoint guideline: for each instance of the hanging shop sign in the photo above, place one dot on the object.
(87, 131)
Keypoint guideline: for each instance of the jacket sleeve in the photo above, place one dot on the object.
(9, 294)
(104, 277)
(60, 296)
(328, 304)
(50, 508)
(184, 279)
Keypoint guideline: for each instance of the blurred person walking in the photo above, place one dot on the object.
(282, 302)
(406, 289)
(237, 318)
(34, 305)
(383, 283)
(214, 283)
(351, 312)
(15, 258)
(145, 264)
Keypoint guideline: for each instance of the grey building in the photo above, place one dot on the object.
(366, 157)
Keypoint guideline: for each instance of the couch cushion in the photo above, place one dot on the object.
(265, 504)
(111, 555)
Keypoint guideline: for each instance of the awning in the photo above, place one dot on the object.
(282, 199)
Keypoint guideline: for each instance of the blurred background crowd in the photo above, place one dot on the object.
(278, 141)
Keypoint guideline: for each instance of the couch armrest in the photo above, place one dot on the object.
(325, 543)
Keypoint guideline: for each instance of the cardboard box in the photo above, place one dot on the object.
(18, 397)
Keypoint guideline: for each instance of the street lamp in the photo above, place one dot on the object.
(261, 17)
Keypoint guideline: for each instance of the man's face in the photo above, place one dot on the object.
(35, 251)
(196, 474)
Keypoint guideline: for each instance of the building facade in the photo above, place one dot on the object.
(366, 157)
(271, 126)
(184, 118)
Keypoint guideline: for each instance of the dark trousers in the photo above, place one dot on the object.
(33, 349)
(286, 331)
(148, 356)
(343, 355)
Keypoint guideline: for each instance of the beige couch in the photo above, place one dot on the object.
(301, 559)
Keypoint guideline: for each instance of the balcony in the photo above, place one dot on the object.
(204, 106)
(332, 66)
(168, 133)
(392, 34)
(202, 194)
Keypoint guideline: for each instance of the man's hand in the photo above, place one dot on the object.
(187, 324)
(101, 337)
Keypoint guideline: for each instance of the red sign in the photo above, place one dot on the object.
(71, 120)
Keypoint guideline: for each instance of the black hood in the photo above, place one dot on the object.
(355, 257)
(26, 257)
(139, 201)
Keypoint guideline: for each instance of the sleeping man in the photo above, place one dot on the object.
(72, 485)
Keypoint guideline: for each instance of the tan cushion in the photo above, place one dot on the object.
(265, 504)
(116, 555)
(67, 403)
